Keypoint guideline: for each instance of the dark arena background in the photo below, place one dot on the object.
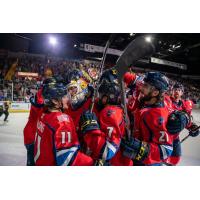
(27, 59)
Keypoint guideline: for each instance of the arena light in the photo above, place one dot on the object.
(53, 41)
(132, 34)
(148, 38)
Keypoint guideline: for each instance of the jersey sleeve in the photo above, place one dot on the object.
(37, 108)
(187, 106)
(158, 139)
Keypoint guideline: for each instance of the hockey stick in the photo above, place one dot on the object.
(186, 137)
(136, 50)
(111, 38)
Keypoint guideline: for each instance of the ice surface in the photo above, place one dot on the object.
(12, 150)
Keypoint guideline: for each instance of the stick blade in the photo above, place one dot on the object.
(136, 50)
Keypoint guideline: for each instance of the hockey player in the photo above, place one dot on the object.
(4, 110)
(133, 84)
(56, 140)
(178, 104)
(102, 137)
(151, 142)
(30, 128)
(37, 106)
(80, 94)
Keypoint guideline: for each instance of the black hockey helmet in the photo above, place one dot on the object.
(49, 81)
(53, 91)
(110, 75)
(109, 87)
(158, 80)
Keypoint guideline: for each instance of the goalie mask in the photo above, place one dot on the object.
(77, 92)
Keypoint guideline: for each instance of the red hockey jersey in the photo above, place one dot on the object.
(35, 112)
(185, 105)
(104, 143)
(134, 93)
(150, 127)
(57, 142)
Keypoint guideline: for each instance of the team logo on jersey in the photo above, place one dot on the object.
(110, 112)
(160, 120)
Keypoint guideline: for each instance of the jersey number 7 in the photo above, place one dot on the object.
(110, 130)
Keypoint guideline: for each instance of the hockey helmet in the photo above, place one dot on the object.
(109, 87)
(49, 81)
(53, 91)
(178, 86)
(158, 80)
(110, 76)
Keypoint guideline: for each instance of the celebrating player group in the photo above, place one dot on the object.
(62, 129)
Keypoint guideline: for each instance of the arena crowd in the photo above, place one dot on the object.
(24, 87)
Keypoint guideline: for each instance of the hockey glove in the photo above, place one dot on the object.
(177, 121)
(194, 130)
(33, 101)
(101, 162)
(88, 122)
(30, 154)
(135, 149)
